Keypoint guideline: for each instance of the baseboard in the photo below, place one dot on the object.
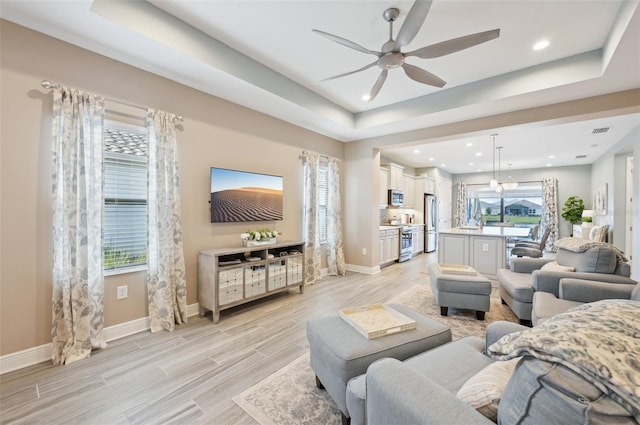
(30, 356)
(362, 269)
(42, 353)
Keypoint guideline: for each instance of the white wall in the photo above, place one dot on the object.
(610, 169)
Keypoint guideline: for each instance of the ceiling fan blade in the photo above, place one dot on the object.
(454, 45)
(422, 76)
(352, 72)
(347, 43)
(378, 85)
(414, 20)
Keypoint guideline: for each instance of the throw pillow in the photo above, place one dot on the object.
(598, 233)
(555, 267)
(483, 390)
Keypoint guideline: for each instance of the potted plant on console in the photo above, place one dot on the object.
(259, 237)
(572, 212)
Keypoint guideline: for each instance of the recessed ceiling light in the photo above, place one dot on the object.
(416, 151)
(366, 97)
(431, 159)
(479, 169)
(551, 156)
(549, 164)
(478, 153)
(443, 165)
(542, 44)
(471, 163)
(469, 144)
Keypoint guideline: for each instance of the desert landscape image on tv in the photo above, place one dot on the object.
(244, 196)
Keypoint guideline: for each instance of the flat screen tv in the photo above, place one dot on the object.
(244, 196)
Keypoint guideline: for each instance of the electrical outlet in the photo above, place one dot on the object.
(122, 292)
(364, 251)
(485, 247)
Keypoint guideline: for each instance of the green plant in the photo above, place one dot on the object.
(572, 210)
(256, 235)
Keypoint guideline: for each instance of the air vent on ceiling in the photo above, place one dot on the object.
(581, 156)
(600, 130)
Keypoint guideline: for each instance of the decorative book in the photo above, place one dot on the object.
(376, 320)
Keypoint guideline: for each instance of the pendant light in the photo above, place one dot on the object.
(499, 185)
(493, 183)
(510, 184)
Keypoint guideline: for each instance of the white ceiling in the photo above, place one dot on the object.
(263, 55)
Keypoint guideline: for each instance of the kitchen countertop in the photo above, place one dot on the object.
(502, 232)
(400, 226)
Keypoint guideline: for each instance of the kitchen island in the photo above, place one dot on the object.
(483, 248)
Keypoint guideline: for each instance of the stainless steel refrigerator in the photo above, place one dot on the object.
(430, 222)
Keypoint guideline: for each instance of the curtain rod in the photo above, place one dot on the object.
(49, 85)
(321, 156)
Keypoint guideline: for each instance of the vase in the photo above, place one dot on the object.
(267, 241)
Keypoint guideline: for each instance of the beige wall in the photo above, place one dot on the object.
(214, 133)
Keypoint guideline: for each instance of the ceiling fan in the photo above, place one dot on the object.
(390, 55)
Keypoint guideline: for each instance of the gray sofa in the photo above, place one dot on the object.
(574, 292)
(444, 368)
(422, 389)
(528, 275)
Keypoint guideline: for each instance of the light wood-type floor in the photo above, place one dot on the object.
(191, 375)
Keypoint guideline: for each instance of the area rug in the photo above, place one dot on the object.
(290, 397)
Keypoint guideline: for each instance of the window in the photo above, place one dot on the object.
(323, 199)
(521, 206)
(125, 196)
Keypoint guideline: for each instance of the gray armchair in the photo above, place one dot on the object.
(574, 292)
(528, 275)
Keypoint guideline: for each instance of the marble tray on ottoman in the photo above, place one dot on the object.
(376, 320)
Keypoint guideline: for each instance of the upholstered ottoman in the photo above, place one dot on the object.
(470, 292)
(339, 352)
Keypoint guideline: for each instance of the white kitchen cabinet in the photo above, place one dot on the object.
(389, 245)
(395, 176)
(408, 188)
(453, 249)
(422, 185)
(417, 239)
(384, 186)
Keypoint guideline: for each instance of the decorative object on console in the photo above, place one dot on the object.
(572, 210)
(259, 237)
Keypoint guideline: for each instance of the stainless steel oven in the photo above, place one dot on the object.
(406, 244)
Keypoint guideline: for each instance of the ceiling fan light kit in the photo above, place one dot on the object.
(390, 55)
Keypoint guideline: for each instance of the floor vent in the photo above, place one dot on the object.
(600, 130)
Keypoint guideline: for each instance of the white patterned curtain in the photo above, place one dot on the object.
(335, 254)
(549, 217)
(166, 282)
(461, 205)
(311, 217)
(78, 286)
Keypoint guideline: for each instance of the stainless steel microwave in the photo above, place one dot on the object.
(396, 198)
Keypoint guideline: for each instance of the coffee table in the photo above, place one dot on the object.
(338, 352)
(464, 291)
